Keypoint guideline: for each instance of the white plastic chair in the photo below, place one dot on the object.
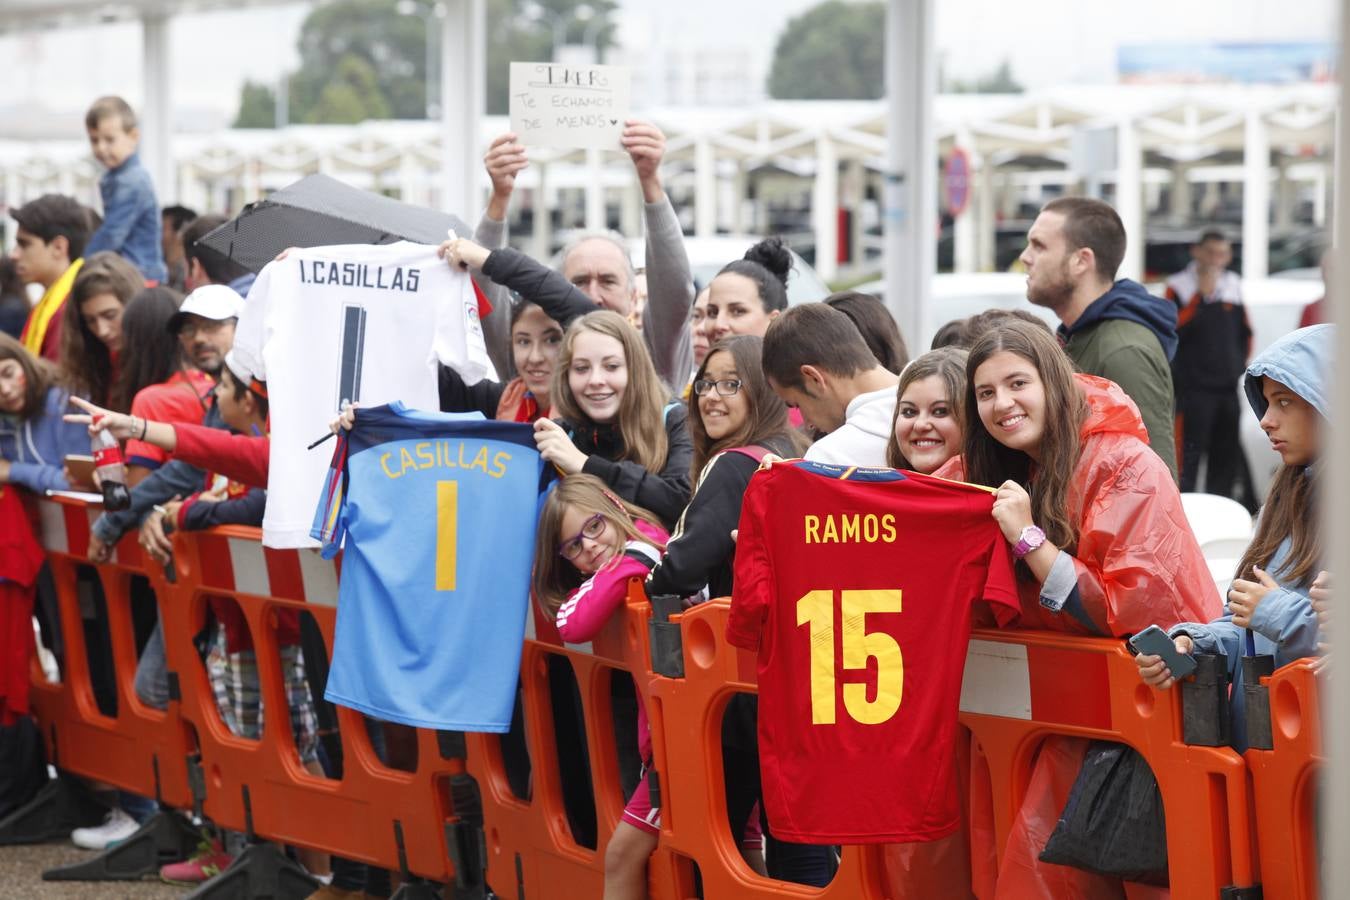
(1223, 528)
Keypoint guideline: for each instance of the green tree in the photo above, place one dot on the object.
(833, 51)
(998, 81)
(391, 47)
(351, 95)
(257, 106)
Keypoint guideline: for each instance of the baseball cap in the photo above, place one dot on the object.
(210, 301)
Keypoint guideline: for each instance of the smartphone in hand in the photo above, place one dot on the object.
(1155, 642)
(81, 469)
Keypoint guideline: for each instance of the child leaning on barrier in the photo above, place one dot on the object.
(1269, 604)
(231, 661)
(590, 544)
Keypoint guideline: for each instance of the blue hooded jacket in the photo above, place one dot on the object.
(1284, 624)
(1131, 301)
(37, 447)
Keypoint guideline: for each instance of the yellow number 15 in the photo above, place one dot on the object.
(817, 610)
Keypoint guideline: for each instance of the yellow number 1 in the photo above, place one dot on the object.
(817, 610)
(447, 528)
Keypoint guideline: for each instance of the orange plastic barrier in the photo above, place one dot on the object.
(364, 815)
(140, 745)
(1284, 785)
(1021, 687)
(529, 841)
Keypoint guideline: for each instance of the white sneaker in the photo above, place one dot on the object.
(117, 826)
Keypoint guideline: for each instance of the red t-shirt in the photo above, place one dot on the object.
(856, 586)
(183, 398)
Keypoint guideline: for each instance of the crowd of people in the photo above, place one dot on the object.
(657, 414)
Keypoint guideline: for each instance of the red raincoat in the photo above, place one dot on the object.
(1138, 564)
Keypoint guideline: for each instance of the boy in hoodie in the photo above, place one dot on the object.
(1113, 329)
(817, 361)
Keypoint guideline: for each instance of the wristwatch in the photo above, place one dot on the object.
(1030, 538)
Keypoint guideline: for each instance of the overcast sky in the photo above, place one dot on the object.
(1047, 41)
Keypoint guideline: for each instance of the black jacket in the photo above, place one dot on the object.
(664, 493)
(701, 552)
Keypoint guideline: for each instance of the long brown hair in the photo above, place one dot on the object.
(145, 329)
(85, 359)
(990, 463)
(37, 375)
(767, 418)
(947, 363)
(641, 420)
(554, 576)
(1290, 512)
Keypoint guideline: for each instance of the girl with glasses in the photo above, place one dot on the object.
(590, 545)
(735, 419)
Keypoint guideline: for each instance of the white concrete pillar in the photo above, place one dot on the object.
(986, 227)
(595, 190)
(409, 182)
(1180, 197)
(463, 79)
(1255, 197)
(739, 185)
(543, 214)
(630, 210)
(156, 116)
(909, 212)
(965, 228)
(1321, 197)
(825, 208)
(705, 188)
(1130, 197)
(1286, 192)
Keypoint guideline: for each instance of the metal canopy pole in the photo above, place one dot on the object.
(910, 196)
(1335, 800)
(463, 80)
(157, 111)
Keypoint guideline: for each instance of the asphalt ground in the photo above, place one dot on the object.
(21, 871)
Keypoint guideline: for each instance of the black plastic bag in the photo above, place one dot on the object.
(1113, 821)
(23, 764)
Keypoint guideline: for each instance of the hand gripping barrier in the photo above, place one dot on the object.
(1284, 785)
(139, 749)
(529, 840)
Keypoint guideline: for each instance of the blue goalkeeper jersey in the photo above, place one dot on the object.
(439, 513)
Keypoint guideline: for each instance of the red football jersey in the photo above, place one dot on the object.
(856, 586)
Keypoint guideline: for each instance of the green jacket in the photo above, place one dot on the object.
(1129, 354)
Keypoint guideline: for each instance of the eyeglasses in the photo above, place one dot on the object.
(728, 387)
(592, 528)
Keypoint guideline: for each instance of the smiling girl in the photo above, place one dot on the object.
(615, 418)
(927, 428)
(1270, 598)
(589, 546)
(1096, 519)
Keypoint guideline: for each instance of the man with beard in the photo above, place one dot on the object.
(1111, 328)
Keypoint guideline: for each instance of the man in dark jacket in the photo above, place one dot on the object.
(1113, 329)
(1216, 340)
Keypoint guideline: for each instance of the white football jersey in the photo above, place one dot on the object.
(360, 324)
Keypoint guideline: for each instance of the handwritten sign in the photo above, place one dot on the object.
(557, 105)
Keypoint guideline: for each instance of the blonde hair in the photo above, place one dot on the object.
(641, 420)
(554, 576)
